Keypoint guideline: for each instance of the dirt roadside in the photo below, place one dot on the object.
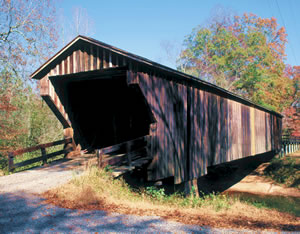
(257, 183)
(253, 219)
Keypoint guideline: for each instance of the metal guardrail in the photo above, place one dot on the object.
(44, 157)
(289, 144)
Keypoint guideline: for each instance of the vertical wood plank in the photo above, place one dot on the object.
(252, 127)
(71, 63)
(91, 67)
(86, 58)
(65, 70)
(60, 69)
(98, 58)
(109, 59)
(117, 60)
(104, 59)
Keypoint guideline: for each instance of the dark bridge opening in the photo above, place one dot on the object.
(103, 109)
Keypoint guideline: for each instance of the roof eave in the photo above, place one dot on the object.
(35, 74)
(38, 74)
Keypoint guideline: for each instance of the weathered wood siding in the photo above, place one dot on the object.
(85, 57)
(195, 127)
(169, 139)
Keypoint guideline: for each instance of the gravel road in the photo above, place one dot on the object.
(40, 179)
(23, 210)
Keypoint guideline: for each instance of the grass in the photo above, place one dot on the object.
(280, 203)
(117, 191)
(96, 189)
(284, 171)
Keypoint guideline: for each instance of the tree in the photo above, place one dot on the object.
(7, 129)
(242, 54)
(80, 24)
(26, 27)
(291, 120)
(27, 38)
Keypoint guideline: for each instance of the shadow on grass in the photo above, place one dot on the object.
(285, 171)
(219, 178)
(280, 203)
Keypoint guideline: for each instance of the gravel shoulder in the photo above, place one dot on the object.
(41, 179)
(23, 212)
(22, 209)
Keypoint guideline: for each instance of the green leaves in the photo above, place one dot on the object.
(242, 54)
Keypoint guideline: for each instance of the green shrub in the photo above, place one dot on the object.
(3, 165)
(156, 193)
(285, 171)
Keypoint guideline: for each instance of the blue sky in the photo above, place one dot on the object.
(142, 26)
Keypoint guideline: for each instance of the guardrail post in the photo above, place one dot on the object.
(99, 154)
(10, 161)
(281, 155)
(294, 147)
(43, 150)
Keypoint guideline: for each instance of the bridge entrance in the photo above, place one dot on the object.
(102, 108)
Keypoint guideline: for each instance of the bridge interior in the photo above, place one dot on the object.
(103, 109)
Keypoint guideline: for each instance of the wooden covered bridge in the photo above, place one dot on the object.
(104, 96)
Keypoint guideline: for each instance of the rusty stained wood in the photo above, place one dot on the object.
(220, 129)
(168, 104)
(85, 58)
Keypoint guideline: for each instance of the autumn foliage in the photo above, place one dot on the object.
(291, 121)
(27, 37)
(244, 54)
(7, 132)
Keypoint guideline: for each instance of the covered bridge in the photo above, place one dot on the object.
(106, 96)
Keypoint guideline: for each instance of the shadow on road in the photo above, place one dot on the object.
(28, 213)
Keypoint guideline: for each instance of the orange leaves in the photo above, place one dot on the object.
(245, 54)
(282, 35)
(25, 25)
(291, 120)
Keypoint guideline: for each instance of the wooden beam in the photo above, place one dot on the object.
(37, 147)
(60, 116)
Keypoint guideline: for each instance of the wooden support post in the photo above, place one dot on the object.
(69, 147)
(128, 149)
(44, 155)
(148, 147)
(99, 154)
(190, 188)
(11, 161)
